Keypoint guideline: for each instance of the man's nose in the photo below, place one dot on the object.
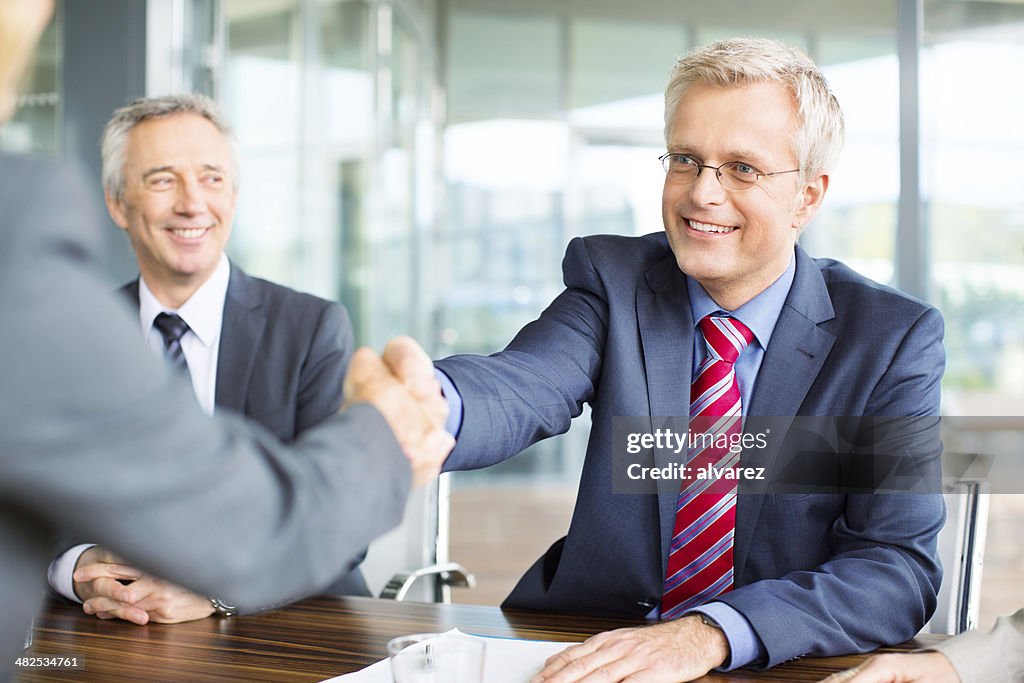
(707, 188)
(190, 197)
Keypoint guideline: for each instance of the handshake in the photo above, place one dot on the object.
(402, 386)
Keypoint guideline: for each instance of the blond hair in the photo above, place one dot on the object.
(743, 61)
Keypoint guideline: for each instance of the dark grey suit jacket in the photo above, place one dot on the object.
(817, 574)
(99, 438)
(282, 361)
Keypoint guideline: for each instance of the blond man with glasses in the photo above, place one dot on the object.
(719, 318)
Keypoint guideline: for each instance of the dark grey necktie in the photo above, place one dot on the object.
(173, 328)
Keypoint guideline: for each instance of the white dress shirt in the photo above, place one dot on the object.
(204, 314)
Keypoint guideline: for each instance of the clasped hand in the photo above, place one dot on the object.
(111, 589)
(401, 385)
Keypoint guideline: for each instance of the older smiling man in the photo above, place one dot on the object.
(171, 181)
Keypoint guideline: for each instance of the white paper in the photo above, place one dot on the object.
(506, 660)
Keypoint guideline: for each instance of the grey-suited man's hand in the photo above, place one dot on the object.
(412, 406)
(679, 650)
(111, 589)
(914, 667)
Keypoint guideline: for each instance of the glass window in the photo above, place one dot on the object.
(34, 128)
(976, 216)
(971, 114)
(504, 65)
(612, 61)
(263, 48)
(338, 160)
(857, 222)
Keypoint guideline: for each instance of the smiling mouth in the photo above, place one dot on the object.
(189, 233)
(710, 227)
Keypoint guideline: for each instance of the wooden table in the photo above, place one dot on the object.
(309, 641)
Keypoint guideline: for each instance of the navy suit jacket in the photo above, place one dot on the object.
(816, 574)
(282, 362)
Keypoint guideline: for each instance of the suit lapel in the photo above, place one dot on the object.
(241, 332)
(666, 337)
(131, 292)
(795, 354)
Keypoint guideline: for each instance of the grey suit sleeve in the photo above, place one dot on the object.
(993, 657)
(97, 436)
(323, 373)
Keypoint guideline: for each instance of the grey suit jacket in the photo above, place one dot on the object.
(993, 657)
(818, 574)
(99, 438)
(283, 356)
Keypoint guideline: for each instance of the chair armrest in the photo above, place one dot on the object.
(449, 574)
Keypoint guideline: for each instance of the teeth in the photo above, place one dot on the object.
(709, 227)
(188, 233)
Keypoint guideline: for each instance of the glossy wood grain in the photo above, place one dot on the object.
(309, 641)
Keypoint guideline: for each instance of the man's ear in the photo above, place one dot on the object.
(809, 200)
(115, 207)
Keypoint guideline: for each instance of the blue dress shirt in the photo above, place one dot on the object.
(760, 315)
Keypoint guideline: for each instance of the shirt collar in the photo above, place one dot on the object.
(760, 314)
(204, 310)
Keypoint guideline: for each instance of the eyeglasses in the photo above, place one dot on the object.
(734, 175)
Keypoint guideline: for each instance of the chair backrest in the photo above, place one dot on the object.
(961, 543)
(412, 562)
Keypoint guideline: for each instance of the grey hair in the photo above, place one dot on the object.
(743, 61)
(115, 134)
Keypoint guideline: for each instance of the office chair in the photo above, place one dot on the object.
(962, 542)
(421, 545)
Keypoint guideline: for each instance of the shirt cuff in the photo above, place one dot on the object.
(61, 571)
(744, 645)
(451, 394)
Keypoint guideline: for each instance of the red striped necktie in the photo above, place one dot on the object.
(700, 561)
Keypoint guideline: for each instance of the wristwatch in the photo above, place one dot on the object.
(708, 621)
(222, 608)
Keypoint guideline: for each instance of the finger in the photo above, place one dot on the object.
(409, 361)
(146, 589)
(427, 458)
(106, 608)
(156, 594)
(432, 402)
(858, 674)
(176, 607)
(112, 589)
(425, 388)
(364, 367)
(648, 676)
(91, 572)
(101, 554)
(575, 663)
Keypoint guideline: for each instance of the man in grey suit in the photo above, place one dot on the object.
(996, 656)
(101, 440)
(170, 175)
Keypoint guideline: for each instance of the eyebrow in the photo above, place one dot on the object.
(170, 169)
(732, 155)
